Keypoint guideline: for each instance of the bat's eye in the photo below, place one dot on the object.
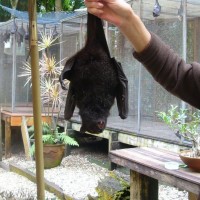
(101, 124)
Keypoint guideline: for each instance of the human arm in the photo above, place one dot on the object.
(167, 68)
(171, 71)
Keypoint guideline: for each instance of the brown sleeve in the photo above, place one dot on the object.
(168, 69)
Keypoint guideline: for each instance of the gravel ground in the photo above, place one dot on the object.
(76, 175)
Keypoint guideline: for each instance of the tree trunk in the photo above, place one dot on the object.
(58, 5)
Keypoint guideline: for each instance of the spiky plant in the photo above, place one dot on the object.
(47, 40)
(51, 93)
(26, 72)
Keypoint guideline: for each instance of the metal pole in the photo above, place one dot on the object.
(14, 69)
(139, 85)
(36, 99)
(183, 104)
(61, 43)
(81, 33)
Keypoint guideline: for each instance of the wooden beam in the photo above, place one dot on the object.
(7, 138)
(113, 144)
(192, 196)
(49, 186)
(26, 139)
(143, 187)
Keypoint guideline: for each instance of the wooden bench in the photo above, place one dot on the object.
(147, 168)
(13, 119)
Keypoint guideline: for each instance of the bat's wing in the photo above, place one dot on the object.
(71, 100)
(65, 74)
(122, 91)
(70, 103)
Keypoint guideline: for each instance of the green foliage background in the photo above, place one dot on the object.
(48, 5)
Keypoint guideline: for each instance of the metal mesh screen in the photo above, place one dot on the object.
(145, 95)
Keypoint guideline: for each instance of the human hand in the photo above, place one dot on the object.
(116, 12)
(120, 13)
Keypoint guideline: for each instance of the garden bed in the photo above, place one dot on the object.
(77, 176)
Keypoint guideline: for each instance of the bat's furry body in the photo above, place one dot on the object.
(94, 81)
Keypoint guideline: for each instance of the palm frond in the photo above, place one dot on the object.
(67, 139)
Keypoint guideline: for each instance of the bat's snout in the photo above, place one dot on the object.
(101, 124)
(93, 126)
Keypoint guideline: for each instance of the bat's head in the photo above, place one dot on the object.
(93, 121)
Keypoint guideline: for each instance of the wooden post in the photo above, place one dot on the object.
(192, 196)
(113, 145)
(26, 139)
(7, 138)
(143, 187)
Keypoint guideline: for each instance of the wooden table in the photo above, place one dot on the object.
(13, 119)
(147, 167)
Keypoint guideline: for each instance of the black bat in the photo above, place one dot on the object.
(96, 80)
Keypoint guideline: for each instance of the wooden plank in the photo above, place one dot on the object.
(143, 187)
(157, 162)
(17, 120)
(49, 186)
(172, 177)
(26, 139)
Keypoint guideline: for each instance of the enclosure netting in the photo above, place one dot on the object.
(145, 95)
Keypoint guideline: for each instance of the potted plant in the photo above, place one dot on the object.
(54, 142)
(187, 125)
(52, 100)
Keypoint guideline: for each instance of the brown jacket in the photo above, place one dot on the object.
(171, 71)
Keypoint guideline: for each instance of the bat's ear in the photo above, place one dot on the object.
(66, 73)
(122, 91)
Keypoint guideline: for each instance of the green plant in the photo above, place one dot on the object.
(50, 136)
(186, 124)
(108, 190)
(124, 193)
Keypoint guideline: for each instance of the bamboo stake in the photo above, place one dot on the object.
(36, 99)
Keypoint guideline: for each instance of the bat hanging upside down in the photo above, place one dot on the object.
(96, 80)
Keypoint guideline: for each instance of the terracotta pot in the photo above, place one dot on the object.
(53, 154)
(191, 162)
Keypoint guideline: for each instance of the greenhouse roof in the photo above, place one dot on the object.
(46, 18)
